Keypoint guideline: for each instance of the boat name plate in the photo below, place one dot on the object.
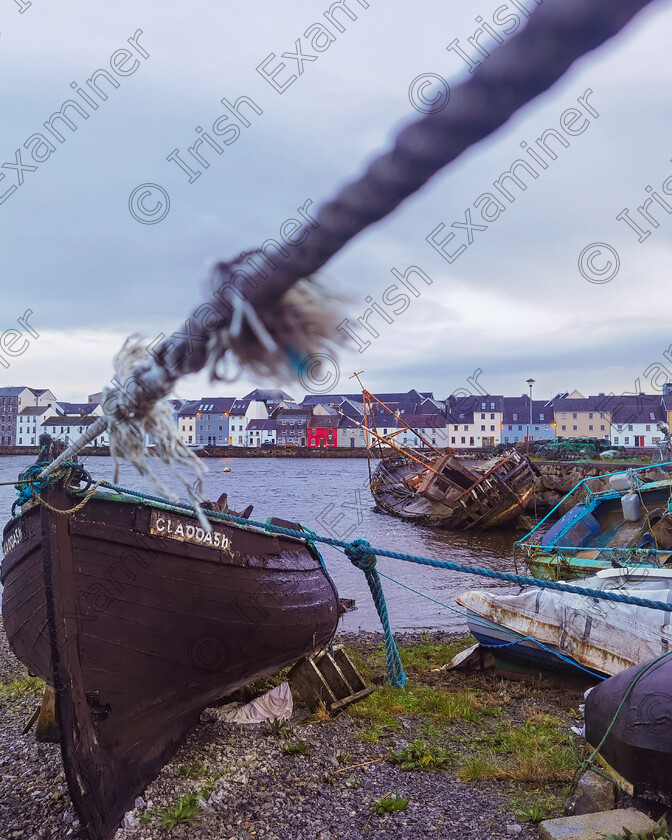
(14, 538)
(163, 525)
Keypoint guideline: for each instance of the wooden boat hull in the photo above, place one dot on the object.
(482, 502)
(139, 623)
(639, 745)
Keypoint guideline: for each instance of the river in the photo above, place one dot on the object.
(331, 497)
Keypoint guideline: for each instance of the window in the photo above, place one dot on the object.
(601, 428)
(652, 416)
(510, 428)
(515, 417)
(648, 428)
(452, 440)
(541, 416)
(626, 440)
(462, 440)
(536, 428)
(466, 428)
(564, 428)
(506, 439)
(455, 429)
(574, 428)
(629, 428)
(484, 406)
(492, 416)
(520, 428)
(590, 428)
(515, 440)
(482, 416)
(574, 415)
(590, 415)
(482, 428)
(492, 407)
(564, 415)
(492, 428)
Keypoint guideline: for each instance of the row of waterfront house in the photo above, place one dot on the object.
(273, 418)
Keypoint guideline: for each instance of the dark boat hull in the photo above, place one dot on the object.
(139, 624)
(639, 745)
(483, 502)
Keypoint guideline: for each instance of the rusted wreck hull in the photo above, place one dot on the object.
(457, 498)
(139, 624)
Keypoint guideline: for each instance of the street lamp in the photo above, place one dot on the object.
(530, 383)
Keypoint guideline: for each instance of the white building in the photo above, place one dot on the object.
(29, 424)
(68, 428)
(262, 431)
(242, 411)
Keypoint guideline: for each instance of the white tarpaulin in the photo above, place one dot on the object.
(603, 635)
(276, 703)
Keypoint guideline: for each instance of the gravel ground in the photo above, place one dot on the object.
(262, 792)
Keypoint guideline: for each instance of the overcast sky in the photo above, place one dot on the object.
(513, 304)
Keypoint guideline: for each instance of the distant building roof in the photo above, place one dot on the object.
(189, 408)
(393, 397)
(240, 406)
(13, 391)
(644, 408)
(34, 410)
(272, 395)
(517, 410)
(324, 421)
(68, 420)
(216, 405)
(261, 425)
(293, 412)
(77, 408)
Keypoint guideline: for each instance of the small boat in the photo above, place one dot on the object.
(638, 746)
(140, 618)
(433, 486)
(626, 523)
(556, 631)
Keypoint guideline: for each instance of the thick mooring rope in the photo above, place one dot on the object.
(253, 324)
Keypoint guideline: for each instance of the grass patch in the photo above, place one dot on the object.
(186, 809)
(423, 657)
(476, 768)
(390, 803)
(278, 727)
(193, 771)
(537, 805)
(537, 751)
(21, 686)
(387, 704)
(295, 748)
(429, 655)
(417, 755)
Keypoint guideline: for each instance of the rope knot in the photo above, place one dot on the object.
(360, 553)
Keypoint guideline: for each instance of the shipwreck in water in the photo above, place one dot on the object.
(434, 486)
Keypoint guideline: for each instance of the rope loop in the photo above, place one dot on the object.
(360, 553)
